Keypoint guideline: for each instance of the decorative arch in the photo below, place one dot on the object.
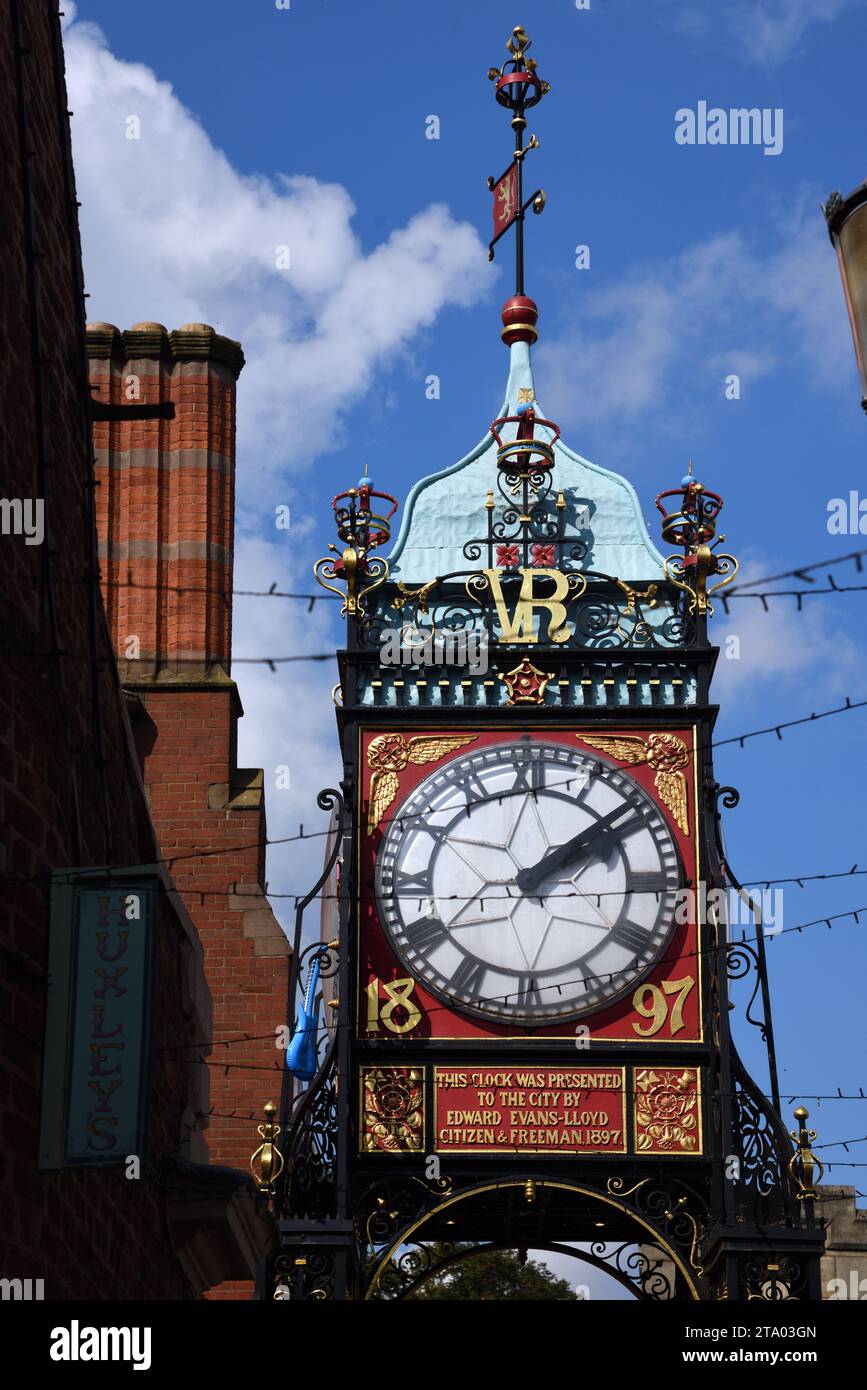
(406, 1261)
(582, 1256)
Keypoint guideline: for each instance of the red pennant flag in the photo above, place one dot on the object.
(505, 192)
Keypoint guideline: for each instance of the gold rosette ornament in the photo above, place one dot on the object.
(393, 1109)
(667, 754)
(665, 1110)
(389, 754)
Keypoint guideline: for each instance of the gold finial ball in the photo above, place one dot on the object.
(801, 1113)
(270, 1108)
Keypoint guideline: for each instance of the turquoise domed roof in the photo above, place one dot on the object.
(446, 509)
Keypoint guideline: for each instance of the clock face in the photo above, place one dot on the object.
(528, 882)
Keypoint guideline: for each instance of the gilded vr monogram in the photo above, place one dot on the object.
(406, 646)
(520, 627)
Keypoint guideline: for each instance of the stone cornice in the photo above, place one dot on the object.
(191, 343)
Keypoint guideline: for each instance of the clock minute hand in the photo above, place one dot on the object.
(529, 879)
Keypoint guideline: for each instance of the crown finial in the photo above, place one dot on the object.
(691, 524)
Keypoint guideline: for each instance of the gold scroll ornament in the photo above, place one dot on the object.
(389, 754)
(665, 753)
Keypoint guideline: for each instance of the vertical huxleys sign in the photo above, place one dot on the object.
(98, 1021)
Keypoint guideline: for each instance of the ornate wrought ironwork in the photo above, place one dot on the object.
(654, 1229)
(605, 612)
(308, 1117)
(763, 1189)
(310, 1275)
(674, 1208)
(361, 530)
(775, 1278)
(647, 1268)
(354, 1153)
(311, 1147)
(693, 526)
(389, 1207)
(537, 541)
(741, 959)
(742, 955)
(646, 1271)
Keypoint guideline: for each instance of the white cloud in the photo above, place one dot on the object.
(172, 232)
(768, 32)
(289, 718)
(781, 651)
(670, 332)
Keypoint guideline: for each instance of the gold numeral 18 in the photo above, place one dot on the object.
(398, 996)
(657, 1009)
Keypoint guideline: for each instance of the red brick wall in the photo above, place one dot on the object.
(165, 515)
(196, 805)
(70, 795)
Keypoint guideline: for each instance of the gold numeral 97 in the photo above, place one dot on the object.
(657, 1009)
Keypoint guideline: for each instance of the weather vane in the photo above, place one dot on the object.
(518, 88)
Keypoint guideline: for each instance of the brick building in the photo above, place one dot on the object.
(104, 772)
(165, 505)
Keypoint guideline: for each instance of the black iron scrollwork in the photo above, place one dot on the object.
(647, 1267)
(311, 1147)
(763, 1190)
(309, 1119)
(775, 1280)
(604, 612)
(309, 1277)
(741, 959)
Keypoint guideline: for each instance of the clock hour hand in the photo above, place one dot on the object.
(599, 838)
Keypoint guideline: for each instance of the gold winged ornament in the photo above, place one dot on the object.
(389, 754)
(667, 754)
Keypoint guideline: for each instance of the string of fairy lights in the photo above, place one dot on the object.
(203, 852)
(745, 590)
(168, 1053)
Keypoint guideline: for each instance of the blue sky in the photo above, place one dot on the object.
(306, 127)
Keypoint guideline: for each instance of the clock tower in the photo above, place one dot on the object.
(525, 956)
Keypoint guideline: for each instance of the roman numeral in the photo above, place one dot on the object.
(426, 933)
(529, 773)
(436, 832)
(628, 934)
(473, 789)
(646, 881)
(528, 993)
(469, 976)
(412, 885)
(636, 821)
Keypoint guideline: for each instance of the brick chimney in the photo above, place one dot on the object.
(165, 504)
(165, 509)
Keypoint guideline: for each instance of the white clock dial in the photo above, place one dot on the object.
(528, 882)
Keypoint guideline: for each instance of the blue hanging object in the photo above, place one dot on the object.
(302, 1054)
